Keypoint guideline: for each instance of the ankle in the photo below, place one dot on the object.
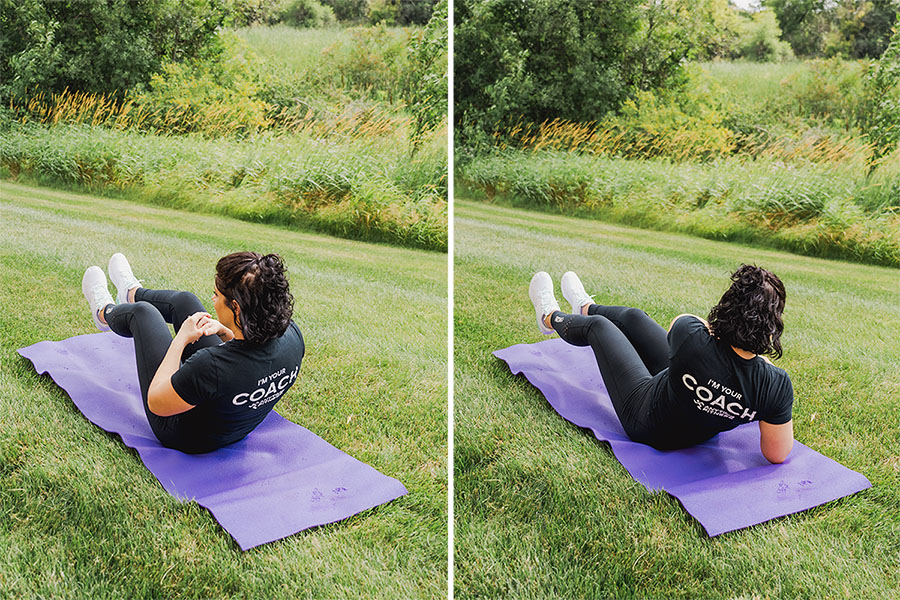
(547, 321)
(101, 314)
(131, 294)
(585, 309)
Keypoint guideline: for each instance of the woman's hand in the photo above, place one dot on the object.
(211, 326)
(192, 329)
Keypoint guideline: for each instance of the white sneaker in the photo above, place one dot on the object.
(573, 292)
(541, 293)
(122, 277)
(93, 285)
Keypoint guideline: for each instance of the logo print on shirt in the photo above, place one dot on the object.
(721, 406)
(265, 394)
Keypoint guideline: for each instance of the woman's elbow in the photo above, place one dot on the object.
(158, 404)
(154, 405)
(776, 456)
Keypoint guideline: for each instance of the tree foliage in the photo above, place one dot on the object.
(102, 47)
(759, 39)
(846, 28)
(547, 59)
(306, 13)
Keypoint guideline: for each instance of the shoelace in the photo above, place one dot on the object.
(548, 302)
(582, 297)
(127, 277)
(98, 291)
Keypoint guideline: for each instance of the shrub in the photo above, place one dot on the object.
(216, 94)
(414, 12)
(880, 111)
(426, 86)
(306, 13)
(382, 12)
(682, 124)
(828, 91)
(372, 62)
(348, 11)
(547, 59)
(760, 39)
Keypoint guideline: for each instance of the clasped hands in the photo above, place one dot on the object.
(201, 324)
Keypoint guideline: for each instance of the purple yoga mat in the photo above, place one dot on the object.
(279, 480)
(725, 483)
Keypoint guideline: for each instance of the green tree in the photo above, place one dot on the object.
(348, 11)
(102, 47)
(803, 24)
(539, 60)
(546, 59)
(759, 39)
(306, 13)
(848, 28)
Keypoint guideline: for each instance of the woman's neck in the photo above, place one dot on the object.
(743, 353)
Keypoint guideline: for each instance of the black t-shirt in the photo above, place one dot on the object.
(709, 388)
(233, 386)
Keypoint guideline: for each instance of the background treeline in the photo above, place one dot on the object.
(342, 126)
(652, 114)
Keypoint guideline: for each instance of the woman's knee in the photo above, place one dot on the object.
(597, 327)
(631, 317)
(143, 310)
(187, 303)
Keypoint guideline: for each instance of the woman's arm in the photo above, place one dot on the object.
(776, 441)
(162, 399)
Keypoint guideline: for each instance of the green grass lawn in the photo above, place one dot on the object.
(80, 517)
(542, 509)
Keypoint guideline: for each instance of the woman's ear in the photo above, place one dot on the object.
(236, 309)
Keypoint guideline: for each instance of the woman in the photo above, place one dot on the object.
(678, 389)
(218, 378)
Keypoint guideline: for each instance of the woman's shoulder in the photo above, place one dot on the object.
(685, 327)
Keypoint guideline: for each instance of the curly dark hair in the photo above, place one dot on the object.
(749, 314)
(259, 286)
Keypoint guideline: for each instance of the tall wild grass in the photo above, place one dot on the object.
(357, 186)
(820, 209)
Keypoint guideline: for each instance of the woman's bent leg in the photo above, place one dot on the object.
(624, 373)
(175, 307)
(152, 339)
(647, 336)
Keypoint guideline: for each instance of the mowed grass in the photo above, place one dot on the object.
(80, 517)
(542, 509)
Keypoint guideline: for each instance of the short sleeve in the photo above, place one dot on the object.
(683, 327)
(782, 403)
(196, 380)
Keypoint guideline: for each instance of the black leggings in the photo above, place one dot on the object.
(145, 320)
(630, 348)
